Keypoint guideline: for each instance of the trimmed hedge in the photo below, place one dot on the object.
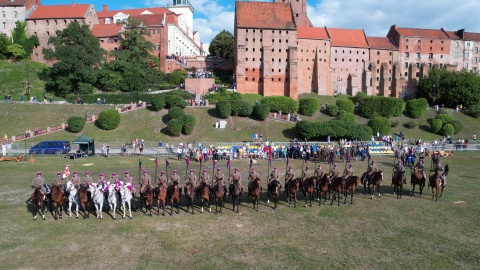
(474, 110)
(308, 106)
(386, 107)
(345, 105)
(158, 102)
(176, 113)
(380, 124)
(221, 95)
(188, 124)
(448, 129)
(416, 107)
(76, 124)
(334, 128)
(126, 98)
(346, 116)
(241, 108)
(174, 126)
(446, 118)
(224, 108)
(457, 126)
(332, 110)
(175, 101)
(261, 111)
(436, 125)
(281, 104)
(109, 119)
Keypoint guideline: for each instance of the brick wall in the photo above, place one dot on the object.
(198, 85)
(348, 65)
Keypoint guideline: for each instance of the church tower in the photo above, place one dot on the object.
(299, 10)
(185, 10)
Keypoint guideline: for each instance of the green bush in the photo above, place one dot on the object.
(175, 101)
(188, 124)
(76, 124)
(261, 111)
(346, 105)
(457, 126)
(222, 94)
(158, 102)
(308, 106)
(411, 124)
(174, 126)
(381, 106)
(334, 128)
(224, 108)
(446, 118)
(281, 104)
(346, 116)
(109, 119)
(126, 98)
(241, 108)
(474, 110)
(443, 111)
(307, 129)
(176, 113)
(332, 110)
(448, 129)
(394, 123)
(380, 125)
(416, 107)
(436, 125)
(176, 77)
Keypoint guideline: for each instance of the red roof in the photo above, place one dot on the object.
(131, 12)
(157, 19)
(72, 11)
(311, 32)
(426, 33)
(381, 43)
(106, 30)
(452, 34)
(264, 15)
(471, 36)
(347, 37)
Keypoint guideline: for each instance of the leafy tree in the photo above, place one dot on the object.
(281, 104)
(448, 129)
(222, 45)
(76, 124)
(416, 107)
(380, 124)
(332, 110)
(308, 106)
(436, 125)
(174, 126)
(346, 116)
(188, 123)
(109, 119)
(224, 108)
(19, 36)
(346, 105)
(158, 102)
(175, 101)
(16, 51)
(241, 108)
(261, 111)
(4, 42)
(176, 77)
(176, 113)
(474, 110)
(78, 55)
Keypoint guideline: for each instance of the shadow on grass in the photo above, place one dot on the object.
(213, 113)
(425, 128)
(165, 119)
(290, 133)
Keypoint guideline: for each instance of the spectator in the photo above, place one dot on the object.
(36, 131)
(21, 97)
(99, 101)
(51, 99)
(79, 100)
(108, 150)
(104, 101)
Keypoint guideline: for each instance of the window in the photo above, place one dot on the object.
(246, 39)
(429, 65)
(253, 79)
(417, 74)
(246, 49)
(456, 54)
(253, 59)
(378, 61)
(4, 25)
(430, 48)
(430, 55)
(441, 65)
(468, 43)
(417, 65)
(246, 69)
(406, 74)
(457, 44)
(418, 55)
(407, 55)
(273, 60)
(475, 60)
(3, 15)
(273, 40)
(253, 40)
(455, 64)
(15, 14)
(407, 47)
(441, 55)
(467, 54)
(246, 59)
(378, 53)
(431, 41)
(475, 50)
(246, 78)
(246, 30)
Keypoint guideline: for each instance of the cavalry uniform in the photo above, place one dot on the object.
(236, 176)
(58, 181)
(372, 168)
(289, 177)
(219, 176)
(144, 181)
(306, 174)
(39, 182)
(252, 177)
(192, 179)
(399, 169)
(420, 167)
(75, 180)
(174, 178)
(348, 172)
(318, 172)
(86, 181)
(440, 171)
(113, 179)
(334, 172)
(102, 183)
(128, 181)
(205, 178)
(274, 175)
(162, 179)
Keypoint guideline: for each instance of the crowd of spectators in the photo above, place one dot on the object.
(178, 58)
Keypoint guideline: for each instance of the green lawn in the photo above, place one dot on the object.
(14, 75)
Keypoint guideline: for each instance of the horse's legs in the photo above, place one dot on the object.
(351, 197)
(441, 192)
(413, 190)
(338, 191)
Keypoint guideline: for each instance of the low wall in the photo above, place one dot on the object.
(199, 85)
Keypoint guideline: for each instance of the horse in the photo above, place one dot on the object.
(436, 183)
(161, 194)
(292, 191)
(219, 195)
(85, 197)
(38, 201)
(97, 198)
(417, 179)
(57, 198)
(351, 184)
(308, 189)
(147, 198)
(398, 181)
(255, 189)
(337, 185)
(174, 192)
(235, 192)
(375, 181)
(274, 190)
(189, 195)
(72, 198)
(323, 186)
(126, 197)
(205, 196)
(112, 199)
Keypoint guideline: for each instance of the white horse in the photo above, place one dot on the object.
(126, 196)
(72, 198)
(97, 198)
(112, 199)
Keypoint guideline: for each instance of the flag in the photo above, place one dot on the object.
(214, 163)
(228, 163)
(200, 164)
(187, 161)
(156, 162)
(251, 162)
(66, 172)
(139, 164)
(167, 164)
(288, 160)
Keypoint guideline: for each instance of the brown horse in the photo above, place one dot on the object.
(38, 201)
(161, 194)
(85, 197)
(219, 195)
(147, 198)
(323, 186)
(205, 196)
(174, 192)
(398, 181)
(274, 190)
(351, 184)
(235, 192)
(375, 181)
(57, 198)
(337, 186)
(292, 191)
(255, 190)
(189, 195)
(417, 179)
(308, 188)
(436, 183)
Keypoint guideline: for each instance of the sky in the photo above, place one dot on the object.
(374, 16)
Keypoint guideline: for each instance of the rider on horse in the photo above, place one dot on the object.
(372, 168)
(319, 171)
(420, 167)
(236, 176)
(162, 179)
(191, 179)
(128, 181)
(219, 176)
(144, 181)
(102, 183)
(174, 178)
(334, 172)
(441, 172)
(58, 181)
(251, 178)
(205, 179)
(39, 182)
(75, 180)
(305, 175)
(86, 181)
(274, 175)
(399, 169)
(348, 172)
(289, 176)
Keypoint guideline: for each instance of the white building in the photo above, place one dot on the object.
(12, 11)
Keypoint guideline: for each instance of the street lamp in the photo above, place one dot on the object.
(434, 94)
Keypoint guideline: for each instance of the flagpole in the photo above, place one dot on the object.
(213, 169)
(166, 168)
(156, 166)
(139, 169)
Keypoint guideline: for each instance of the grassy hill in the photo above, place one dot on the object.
(15, 74)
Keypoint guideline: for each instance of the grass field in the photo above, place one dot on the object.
(383, 233)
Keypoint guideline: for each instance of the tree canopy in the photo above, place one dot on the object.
(222, 45)
(19, 36)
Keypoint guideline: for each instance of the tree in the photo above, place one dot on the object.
(19, 36)
(16, 51)
(78, 55)
(222, 45)
(4, 42)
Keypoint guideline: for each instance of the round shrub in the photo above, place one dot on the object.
(394, 123)
(381, 106)
(443, 111)
(307, 129)
(176, 113)
(308, 106)
(446, 118)
(416, 107)
(457, 126)
(224, 108)
(448, 129)
(158, 102)
(436, 125)
(281, 104)
(346, 105)
(474, 110)
(332, 110)
(76, 124)
(261, 111)
(175, 101)
(346, 116)
(380, 125)
(174, 126)
(411, 124)
(241, 108)
(188, 123)
(109, 119)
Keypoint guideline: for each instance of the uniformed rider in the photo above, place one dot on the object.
(441, 172)
(144, 181)
(58, 181)
(251, 178)
(39, 182)
(236, 176)
(76, 180)
(220, 176)
(306, 174)
(372, 168)
(289, 176)
(334, 172)
(162, 179)
(86, 181)
(399, 169)
(174, 178)
(348, 172)
(274, 176)
(420, 167)
(319, 171)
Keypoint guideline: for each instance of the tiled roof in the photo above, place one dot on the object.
(471, 36)
(131, 12)
(106, 30)
(157, 19)
(71, 11)
(311, 32)
(347, 37)
(452, 34)
(264, 15)
(417, 32)
(12, 3)
(381, 43)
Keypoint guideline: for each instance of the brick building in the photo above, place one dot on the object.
(12, 11)
(109, 36)
(383, 64)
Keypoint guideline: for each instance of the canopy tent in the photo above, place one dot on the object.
(86, 144)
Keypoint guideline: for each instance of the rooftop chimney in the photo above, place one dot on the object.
(104, 7)
(73, 3)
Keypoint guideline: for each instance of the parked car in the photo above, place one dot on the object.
(51, 147)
